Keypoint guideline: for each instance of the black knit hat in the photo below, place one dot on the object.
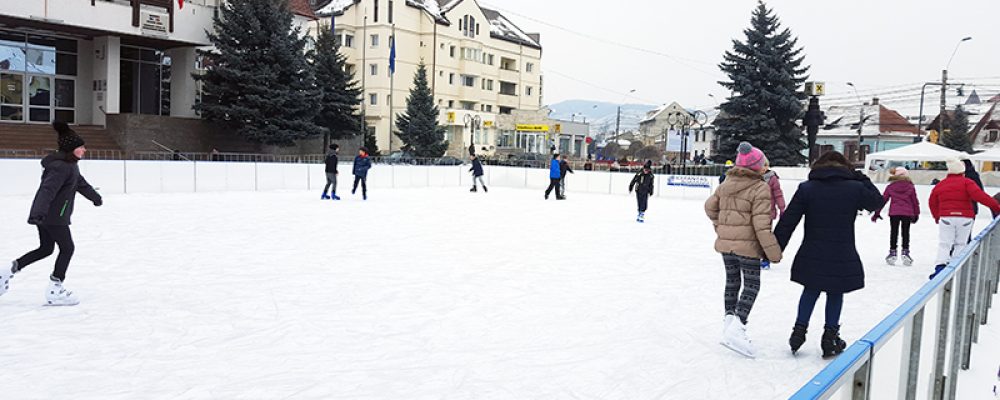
(68, 140)
(648, 165)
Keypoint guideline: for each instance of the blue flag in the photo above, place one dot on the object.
(333, 22)
(392, 54)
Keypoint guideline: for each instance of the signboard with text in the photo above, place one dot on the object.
(154, 23)
(532, 128)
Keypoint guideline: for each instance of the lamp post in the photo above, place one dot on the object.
(473, 122)
(618, 120)
(944, 81)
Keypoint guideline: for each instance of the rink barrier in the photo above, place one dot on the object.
(917, 351)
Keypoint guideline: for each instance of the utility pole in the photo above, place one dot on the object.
(618, 122)
(944, 101)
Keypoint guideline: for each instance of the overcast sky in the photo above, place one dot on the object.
(880, 45)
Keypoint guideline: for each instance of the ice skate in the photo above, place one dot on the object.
(5, 274)
(736, 339)
(641, 218)
(937, 270)
(485, 190)
(765, 265)
(907, 260)
(798, 338)
(57, 295)
(324, 196)
(725, 323)
(831, 343)
(473, 190)
(891, 258)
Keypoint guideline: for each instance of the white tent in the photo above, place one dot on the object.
(923, 151)
(989, 155)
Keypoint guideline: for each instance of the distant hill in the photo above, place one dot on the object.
(601, 115)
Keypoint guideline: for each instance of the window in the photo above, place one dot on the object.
(376, 10)
(468, 105)
(529, 67)
(472, 54)
(527, 91)
(469, 81)
(489, 108)
(349, 41)
(489, 84)
(490, 60)
(390, 11)
(373, 99)
(451, 51)
(451, 78)
(451, 103)
(993, 136)
(373, 68)
(508, 88)
(508, 64)
(374, 41)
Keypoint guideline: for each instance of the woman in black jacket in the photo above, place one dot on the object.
(51, 211)
(642, 183)
(827, 261)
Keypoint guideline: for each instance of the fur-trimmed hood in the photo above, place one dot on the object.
(897, 178)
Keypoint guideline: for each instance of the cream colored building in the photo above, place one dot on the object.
(480, 65)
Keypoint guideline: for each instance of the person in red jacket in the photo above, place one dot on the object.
(951, 205)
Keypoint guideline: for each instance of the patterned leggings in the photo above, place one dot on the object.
(746, 271)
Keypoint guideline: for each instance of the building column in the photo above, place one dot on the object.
(107, 78)
(183, 88)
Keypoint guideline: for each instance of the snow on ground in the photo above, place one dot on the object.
(982, 380)
(415, 294)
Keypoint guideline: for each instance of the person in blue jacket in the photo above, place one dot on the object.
(361, 166)
(477, 173)
(555, 175)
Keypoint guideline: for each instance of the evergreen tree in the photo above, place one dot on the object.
(958, 136)
(418, 128)
(340, 95)
(765, 73)
(258, 82)
(371, 143)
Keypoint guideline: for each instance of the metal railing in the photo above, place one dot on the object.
(887, 361)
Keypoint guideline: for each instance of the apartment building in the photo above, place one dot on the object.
(480, 64)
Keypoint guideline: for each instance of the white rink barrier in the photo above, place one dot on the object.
(21, 177)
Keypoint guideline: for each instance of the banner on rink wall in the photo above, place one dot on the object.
(689, 181)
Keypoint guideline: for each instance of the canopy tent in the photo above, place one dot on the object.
(923, 151)
(989, 155)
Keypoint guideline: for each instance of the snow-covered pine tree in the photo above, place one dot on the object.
(418, 128)
(957, 137)
(766, 74)
(340, 95)
(258, 82)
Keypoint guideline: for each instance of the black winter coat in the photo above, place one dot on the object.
(829, 201)
(642, 183)
(331, 163)
(563, 169)
(970, 172)
(477, 167)
(61, 180)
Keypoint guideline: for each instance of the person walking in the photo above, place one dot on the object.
(477, 174)
(904, 209)
(827, 260)
(564, 168)
(362, 163)
(331, 173)
(555, 174)
(951, 204)
(970, 172)
(642, 183)
(740, 210)
(51, 212)
(777, 199)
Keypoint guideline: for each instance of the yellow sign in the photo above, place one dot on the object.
(451, 117)
(558, 128)
(932, 136)
(487, 124)
(532, 128)
(815, 88)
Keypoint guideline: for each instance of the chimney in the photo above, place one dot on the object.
(537, 37)
(875, 101)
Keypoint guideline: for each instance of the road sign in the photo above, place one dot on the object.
(816, 88)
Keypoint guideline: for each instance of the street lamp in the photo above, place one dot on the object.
(965, 39)
(618, 120)
(944, 82)
(473, 122)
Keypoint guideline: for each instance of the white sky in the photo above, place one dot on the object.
(877, 45)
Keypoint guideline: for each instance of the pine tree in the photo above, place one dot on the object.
(765, 73)
(340, 95)
(258, 82)
(418, 128)
(371, 143)
(957, 137)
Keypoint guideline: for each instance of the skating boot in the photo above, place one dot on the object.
(473, 190)
(907, 260)
(725, 323)
(831, 343)
(324, 197)
(736, 339)
(937, 270)
(641, 218)
(765, 265)
(485, 190)
(891, 258)
(798, 338)
(5, 274)
(57, 295)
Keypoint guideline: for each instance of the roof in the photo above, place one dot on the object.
(990, 120)
(503, 29)
(302, 7)
(879, 120)
(923, 151)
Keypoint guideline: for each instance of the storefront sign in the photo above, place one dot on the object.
(689, 181)
(487, 124)
(154, 23)
(558, 128)
(451, 117)
(532, 128)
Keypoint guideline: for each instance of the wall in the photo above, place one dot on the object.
(136, 132)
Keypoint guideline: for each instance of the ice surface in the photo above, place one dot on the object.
(414, 294)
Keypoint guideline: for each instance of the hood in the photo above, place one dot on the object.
(58, 156)
(769, 174)
(739, 179)
(900, 178)
(830, 173)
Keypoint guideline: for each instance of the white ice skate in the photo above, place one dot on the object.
(736, 339)
(5, 274)
(57, 295)
(907, 260)
(726, 322)
(641, 218)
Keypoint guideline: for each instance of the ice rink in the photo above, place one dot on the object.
(414, 294)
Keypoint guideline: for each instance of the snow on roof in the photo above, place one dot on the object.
(502, 28)
(879, 120)
(336, 7)
(923, 151)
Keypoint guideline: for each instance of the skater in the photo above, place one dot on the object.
(777, 199)
(361, 166)
(642, 183)
(563, 169)
(555, 174)
(970, 172)
(740, 210)
(331, 173)
(51, 211)
(477, 174)
(904, 210)
(827, 260)
(951, 206)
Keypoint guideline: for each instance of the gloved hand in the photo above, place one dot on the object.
(876, 217)
(36, 219)
(915, 218)
(98, 202)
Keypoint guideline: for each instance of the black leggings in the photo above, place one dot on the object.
(894, 225)
(364, 184)
(49, 236)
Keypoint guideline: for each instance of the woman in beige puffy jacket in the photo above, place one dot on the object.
(740, 210)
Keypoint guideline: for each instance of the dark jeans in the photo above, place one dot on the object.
(834, 303)
(49, 236)
(553, 184)
(364, 184)
(894, 225)
(643, 199)
(741, 270)
(331, 181)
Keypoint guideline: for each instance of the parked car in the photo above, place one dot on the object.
(530, 160)
(449, 160)
(401, 157)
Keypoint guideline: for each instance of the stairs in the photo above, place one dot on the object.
(41, 137)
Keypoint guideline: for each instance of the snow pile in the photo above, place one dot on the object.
(336, 7)
(502, 26)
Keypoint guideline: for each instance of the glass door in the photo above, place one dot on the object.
(39, 96)
(11, 97)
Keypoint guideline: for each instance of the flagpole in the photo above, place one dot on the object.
(392, 88)
(364, 87)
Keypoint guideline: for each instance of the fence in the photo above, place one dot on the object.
(918, 350)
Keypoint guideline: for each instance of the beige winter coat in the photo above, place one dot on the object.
(740, 209)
